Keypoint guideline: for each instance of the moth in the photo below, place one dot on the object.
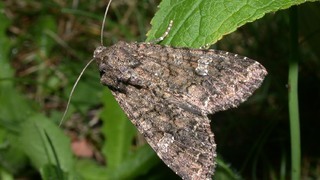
(168, 92)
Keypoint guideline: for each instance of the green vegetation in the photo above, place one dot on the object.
(45, 44)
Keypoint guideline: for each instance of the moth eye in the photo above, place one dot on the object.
(102, 72)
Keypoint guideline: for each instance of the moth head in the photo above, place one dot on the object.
(97, 54)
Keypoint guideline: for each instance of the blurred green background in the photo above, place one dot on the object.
(45, 44)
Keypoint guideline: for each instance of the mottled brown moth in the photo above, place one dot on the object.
(168, 92)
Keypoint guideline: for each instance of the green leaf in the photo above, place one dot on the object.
(201, 22)
(12, 159)
(90, 170)
(224, 171)
(137, 164)
(5, 175)
(50, 171)
(34, 142)
(118, 131)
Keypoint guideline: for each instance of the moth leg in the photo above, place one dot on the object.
(164, 34)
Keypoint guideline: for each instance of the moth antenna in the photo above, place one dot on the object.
(72, 90)
(78, 79)
(104, 21)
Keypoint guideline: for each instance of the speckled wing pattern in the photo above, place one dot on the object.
(168, 92)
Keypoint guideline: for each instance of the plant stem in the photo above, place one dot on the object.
(293, 97)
